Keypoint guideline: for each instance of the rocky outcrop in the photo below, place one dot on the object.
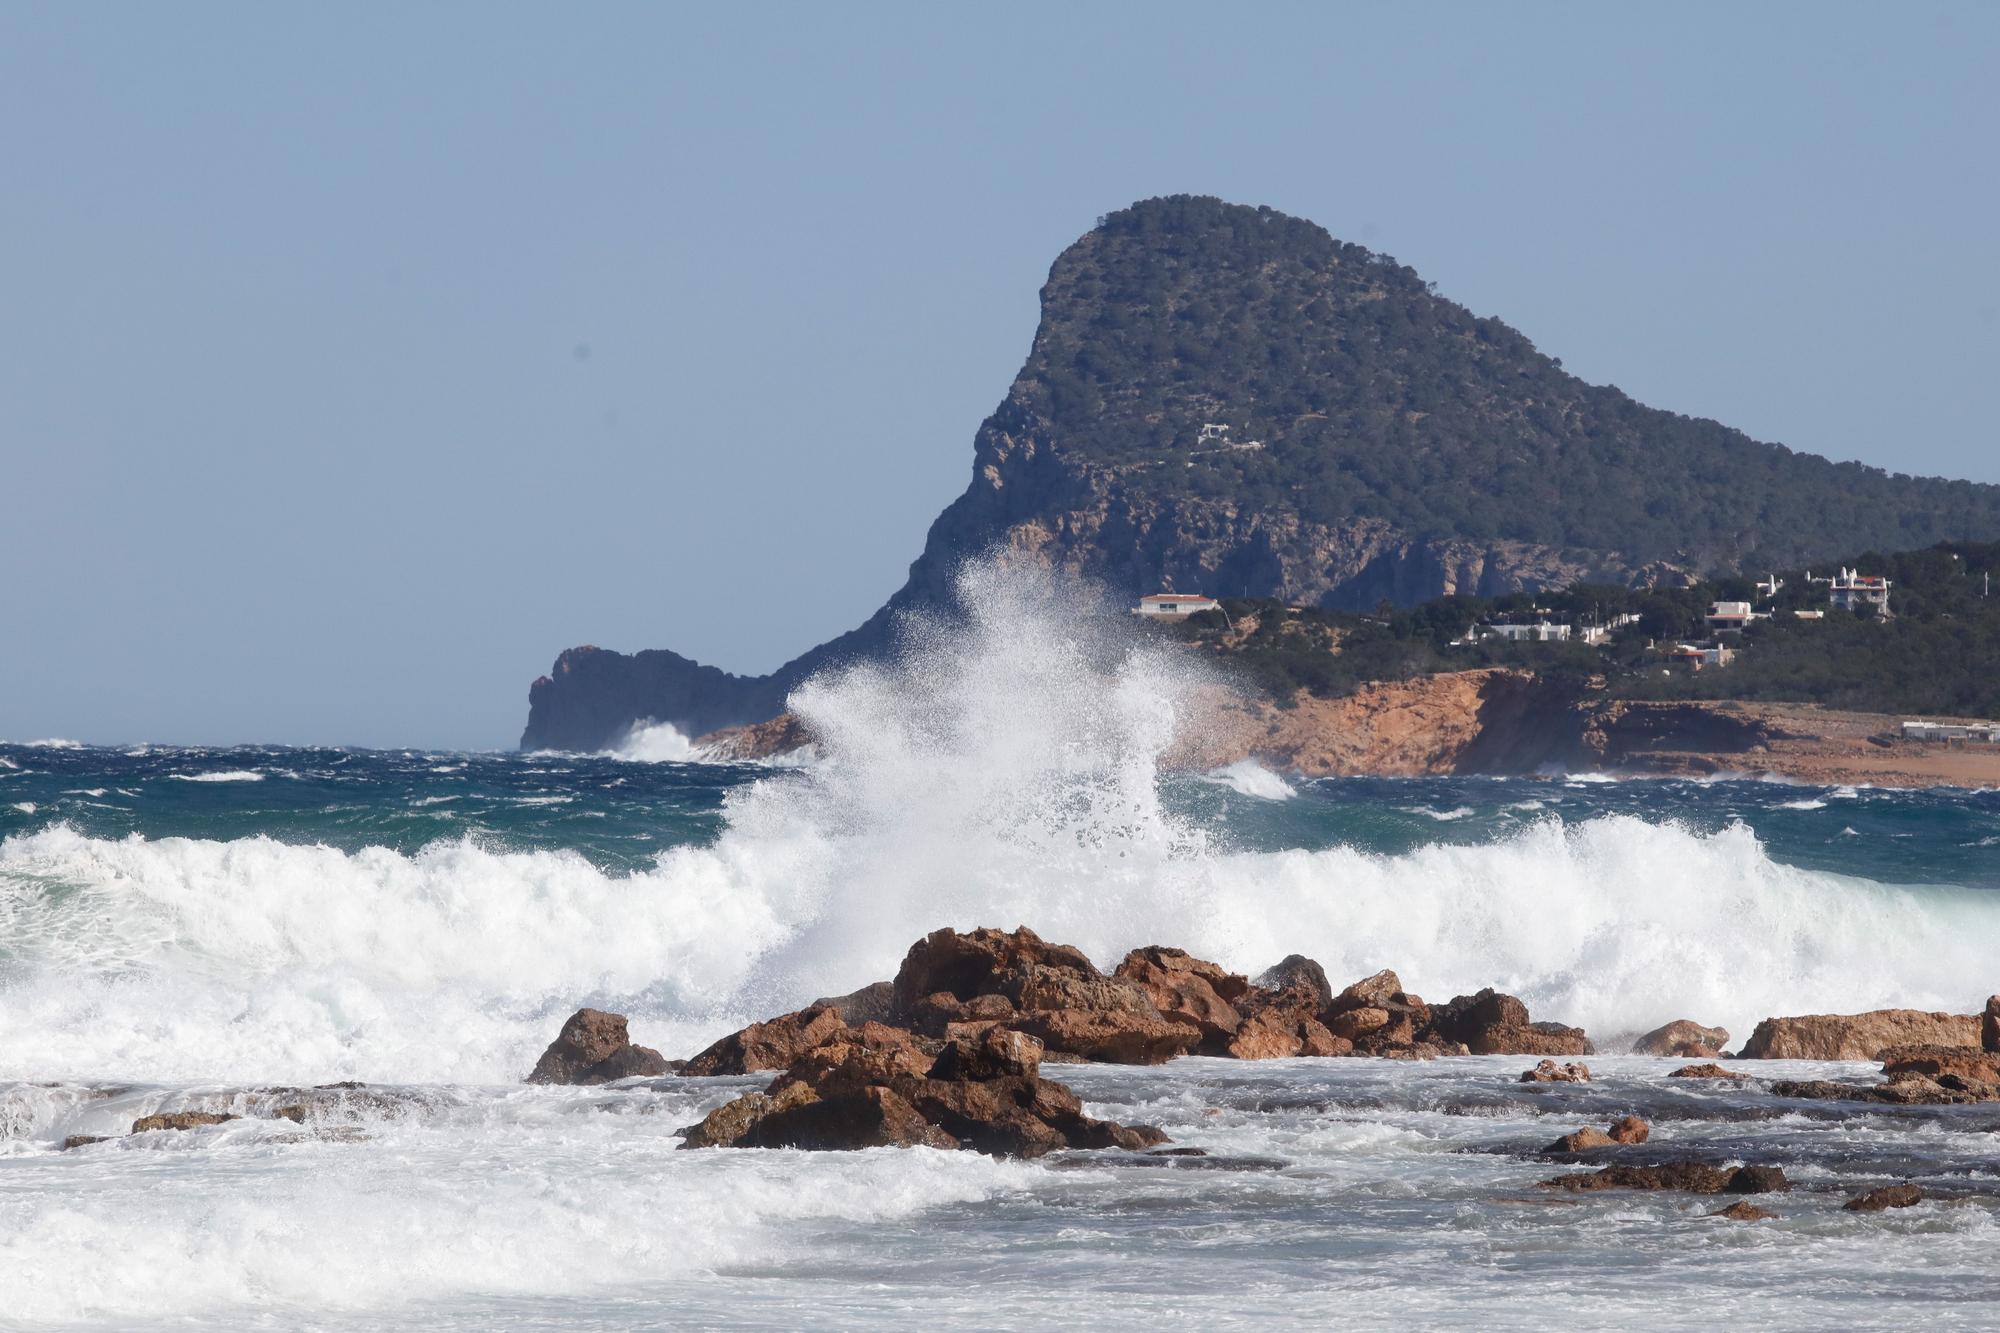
(867, 1088)
(1857, 1036)
(1051, 991)
(1968, 1064)
(1687, 1177)
(1189, 991)
(594, 1047)
(1490, 1023)
(1989, 1025)
(180, 1120)
(770, 1045)
(1705, 1071)
(1684, 1038)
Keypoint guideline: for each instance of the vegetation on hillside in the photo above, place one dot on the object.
(1370, 395)
(1938, 652)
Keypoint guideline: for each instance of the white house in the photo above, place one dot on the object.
(1729, 616)
(1539, 632)
(1174, 604)
(1850, 590)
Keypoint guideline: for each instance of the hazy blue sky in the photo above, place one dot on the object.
(356, 359)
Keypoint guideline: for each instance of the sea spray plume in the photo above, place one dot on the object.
(1001, 765)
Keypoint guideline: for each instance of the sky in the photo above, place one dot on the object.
(355, 360)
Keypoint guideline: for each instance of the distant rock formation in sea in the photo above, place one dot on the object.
(1228, 400)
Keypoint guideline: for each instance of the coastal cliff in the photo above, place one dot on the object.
(1228, 400)
(1506, 723)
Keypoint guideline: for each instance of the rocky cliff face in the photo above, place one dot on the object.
(1227, 400)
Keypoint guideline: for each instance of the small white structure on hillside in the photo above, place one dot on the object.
(1174, 604)
(1539, 632)
(1974, 733)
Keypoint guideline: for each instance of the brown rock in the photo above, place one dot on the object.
(725, 1126)
(1905, 1090)
(179, 1120)
(1491, 1023)
(1468, 1015)
(84, 1140)
(1969, 1064)
(594, 1047)
(1705, 1071)
(938, 1012)
(1548, 1071)
(1582, 1141)
(1229, 985)
(1182, 988)
(1119, 1037)
(1889, 1196)
(874, 1003)
(1685, 1038)
(1858, 1036)
(1630, 1129)
(1744, 1211)
(854, 1058)
(770, 1045)
(1354, 1024)
(1384, 990)
(1279, 1032)
(1300, 973)
(1989, 1025)
(1691, 1177)
(873, 1117)
(995, 1052)
(980, 962)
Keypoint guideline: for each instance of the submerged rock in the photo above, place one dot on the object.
(1689, 1177)
(84, 1140)
(1548, 1071)
(594, 1047)
(1745, 1211)
(1683, 1037)
(1705, 1071)
(1858, 1036)
(1907, 1090)
(180, 1120)
(1582, 1141)
(1902, 1195)
(1630, 1129)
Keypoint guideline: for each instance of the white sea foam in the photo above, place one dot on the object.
(53, 743)
(5, 762)
(650, 742)
(1803, 805)
(1251, 778)
(231, 775)
(26, 807)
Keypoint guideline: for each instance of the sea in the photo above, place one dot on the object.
(400, 933)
